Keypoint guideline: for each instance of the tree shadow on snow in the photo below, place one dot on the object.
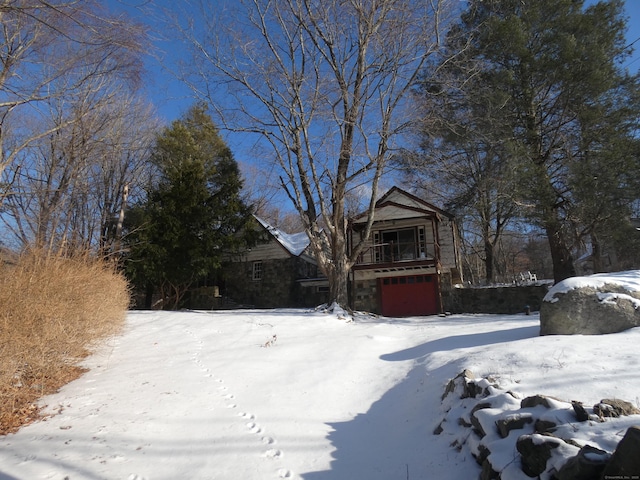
(394, 439)
(463, 341)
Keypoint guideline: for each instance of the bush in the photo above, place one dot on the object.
(53, 309)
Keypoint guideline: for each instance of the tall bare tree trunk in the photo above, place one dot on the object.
(563, 266)
(118, 239)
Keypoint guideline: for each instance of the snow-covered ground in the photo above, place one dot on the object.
(298, 394)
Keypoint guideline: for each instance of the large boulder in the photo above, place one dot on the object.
(592, 305)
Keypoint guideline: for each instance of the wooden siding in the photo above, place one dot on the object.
(448, 250)
(272, 250)
(397, 196)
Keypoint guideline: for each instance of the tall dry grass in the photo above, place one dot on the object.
(53, 309)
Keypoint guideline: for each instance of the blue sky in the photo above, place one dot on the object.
(172, 98)
(632, 10)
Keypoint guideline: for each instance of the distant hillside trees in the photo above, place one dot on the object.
(68, 188)
(193, 214)
(536, 118)
(73, 134)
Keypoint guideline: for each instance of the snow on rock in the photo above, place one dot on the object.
(612, 299)
(592, 305)
(546, 433)
(629, 281)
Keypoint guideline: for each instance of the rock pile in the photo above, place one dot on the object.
(540, 436)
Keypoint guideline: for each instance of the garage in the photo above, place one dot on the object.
(409, 295)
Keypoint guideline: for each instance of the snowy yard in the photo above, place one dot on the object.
(299, 394)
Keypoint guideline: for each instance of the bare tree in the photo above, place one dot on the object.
(52, 50)
(324, 84)
(70, 187)
(124, 170)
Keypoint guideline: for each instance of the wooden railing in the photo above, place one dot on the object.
(385, 253)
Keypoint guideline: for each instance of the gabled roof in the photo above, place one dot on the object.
(397, 200)
(294, 243)
(397, 195)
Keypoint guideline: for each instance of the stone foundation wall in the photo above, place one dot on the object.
(495, 300)
(365, 296)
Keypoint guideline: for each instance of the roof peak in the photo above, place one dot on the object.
(294, 243)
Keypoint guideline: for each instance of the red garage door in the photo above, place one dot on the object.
(408, 296)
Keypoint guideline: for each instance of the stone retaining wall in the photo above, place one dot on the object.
(494, 300)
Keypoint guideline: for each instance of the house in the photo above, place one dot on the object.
(412, 260)
(410, 263)
(278, 271)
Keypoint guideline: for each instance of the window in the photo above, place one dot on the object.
(422, 242)
(399, 245)
(257, 271)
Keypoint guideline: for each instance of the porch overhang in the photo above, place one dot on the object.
(395, 271)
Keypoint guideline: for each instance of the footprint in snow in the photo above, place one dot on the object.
(28, 458)
(253, 428)
(284, 473)
(273, 453)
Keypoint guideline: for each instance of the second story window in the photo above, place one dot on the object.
(257, 271)
(399, 245)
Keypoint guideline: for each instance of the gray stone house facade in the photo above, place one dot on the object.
(278, 272)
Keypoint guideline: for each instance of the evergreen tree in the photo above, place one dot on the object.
(544, 79)
(193, 214)
(463, 162)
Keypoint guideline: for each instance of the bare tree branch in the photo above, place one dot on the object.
(323, 83)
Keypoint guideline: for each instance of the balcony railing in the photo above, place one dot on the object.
(385, 253)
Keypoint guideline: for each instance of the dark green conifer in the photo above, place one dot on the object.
(194, 214)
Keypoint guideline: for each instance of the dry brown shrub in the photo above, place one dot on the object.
(53, 309)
